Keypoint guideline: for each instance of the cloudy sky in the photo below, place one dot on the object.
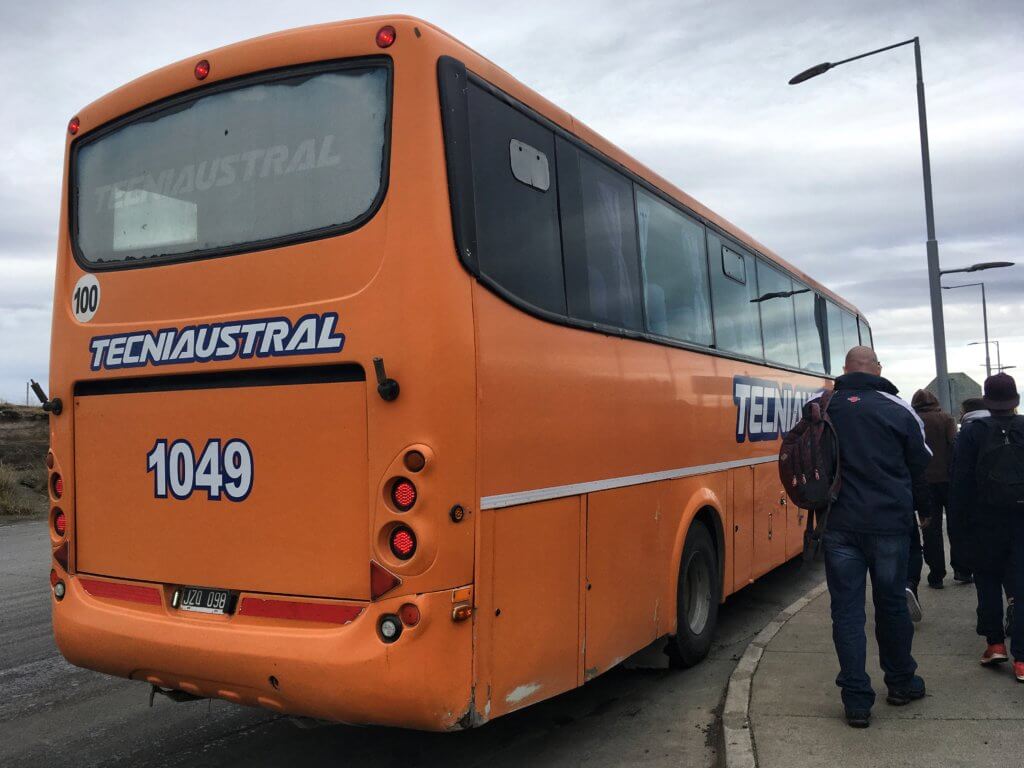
(826, 173)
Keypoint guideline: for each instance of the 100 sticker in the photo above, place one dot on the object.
(222, 471)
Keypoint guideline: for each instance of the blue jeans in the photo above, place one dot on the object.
(849, 557)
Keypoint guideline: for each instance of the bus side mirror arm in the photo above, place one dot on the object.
(386, 388)
(54, 406)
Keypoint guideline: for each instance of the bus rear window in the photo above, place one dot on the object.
(259, 162)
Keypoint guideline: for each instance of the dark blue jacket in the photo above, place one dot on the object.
(985, 531)
(881, 450)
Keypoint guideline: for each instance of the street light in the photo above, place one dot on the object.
(984, 307)
(978, 267)
(932, 245)
(984, 314)
(999, 356)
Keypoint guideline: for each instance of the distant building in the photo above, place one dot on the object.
(961, 387)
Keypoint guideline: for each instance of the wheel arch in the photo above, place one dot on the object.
(703, 508)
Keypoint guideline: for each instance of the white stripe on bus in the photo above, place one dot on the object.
(576, 489)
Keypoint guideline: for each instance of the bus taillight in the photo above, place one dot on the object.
(403, 542)
(409, 613)
(58, 486)
(403, 494)
(73, 125)
(60, 522)
(202, 69)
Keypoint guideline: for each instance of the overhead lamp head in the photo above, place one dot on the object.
(807, 74)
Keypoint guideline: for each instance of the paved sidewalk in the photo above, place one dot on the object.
(971, 717)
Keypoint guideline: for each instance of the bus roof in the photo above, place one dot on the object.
(166, 81)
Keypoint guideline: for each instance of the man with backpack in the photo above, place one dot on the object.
(987, 492)
(881, 450)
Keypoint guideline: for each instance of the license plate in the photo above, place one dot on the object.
(203, 600)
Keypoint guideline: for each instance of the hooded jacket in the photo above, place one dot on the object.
(881, 449)
(939, 434)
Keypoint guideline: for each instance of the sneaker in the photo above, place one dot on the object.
(900, 696)
(1018, 670)
(994, 654)
(861, 718)
(913, 605)
(962, 577)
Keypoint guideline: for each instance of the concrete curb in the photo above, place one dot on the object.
(739, 740)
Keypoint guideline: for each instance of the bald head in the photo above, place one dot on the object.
(862, 360)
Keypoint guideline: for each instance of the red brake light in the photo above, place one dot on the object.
(403, 494)
(58, 486)
(386, 36)
(73, 125)
(60, 523)
(409, 614)
(403, 542)
(202, 69)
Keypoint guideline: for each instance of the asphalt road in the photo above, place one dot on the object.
(51, 711)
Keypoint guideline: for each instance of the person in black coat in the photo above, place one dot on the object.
(881, 449)
(995, 536)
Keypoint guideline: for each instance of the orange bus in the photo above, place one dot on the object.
(385, 391)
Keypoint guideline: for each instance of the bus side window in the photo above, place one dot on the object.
(737, 321)
(602, 275)
(836, 343)
(778, 320)
(517, 229)
(851, 336)
(865, 333)
(675, 271)
(808, 328)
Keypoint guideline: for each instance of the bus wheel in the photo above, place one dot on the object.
(697, 602)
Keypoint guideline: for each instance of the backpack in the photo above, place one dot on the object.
(809, 469)
(1000, 468)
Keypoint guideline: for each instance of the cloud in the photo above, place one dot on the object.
(826, 173)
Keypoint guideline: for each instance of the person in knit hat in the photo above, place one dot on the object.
(987, 489)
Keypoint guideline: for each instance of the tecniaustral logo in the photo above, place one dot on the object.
(263, 337)
(767, 410)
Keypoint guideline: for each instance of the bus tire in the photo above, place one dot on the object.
(697, 599)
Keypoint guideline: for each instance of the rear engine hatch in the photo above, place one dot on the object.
(251, 481)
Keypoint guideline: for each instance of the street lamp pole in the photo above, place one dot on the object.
(984, 318)
(999, 355)
(984, 307)
(932, 245)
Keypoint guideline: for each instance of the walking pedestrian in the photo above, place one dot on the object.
(939, 434)
(972, 409)
(988, 490)
(881, 448)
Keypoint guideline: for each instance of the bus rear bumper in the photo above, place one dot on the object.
(340, 673)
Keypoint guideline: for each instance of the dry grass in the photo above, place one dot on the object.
(8, 487)
(24, 439)
(21, 494)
